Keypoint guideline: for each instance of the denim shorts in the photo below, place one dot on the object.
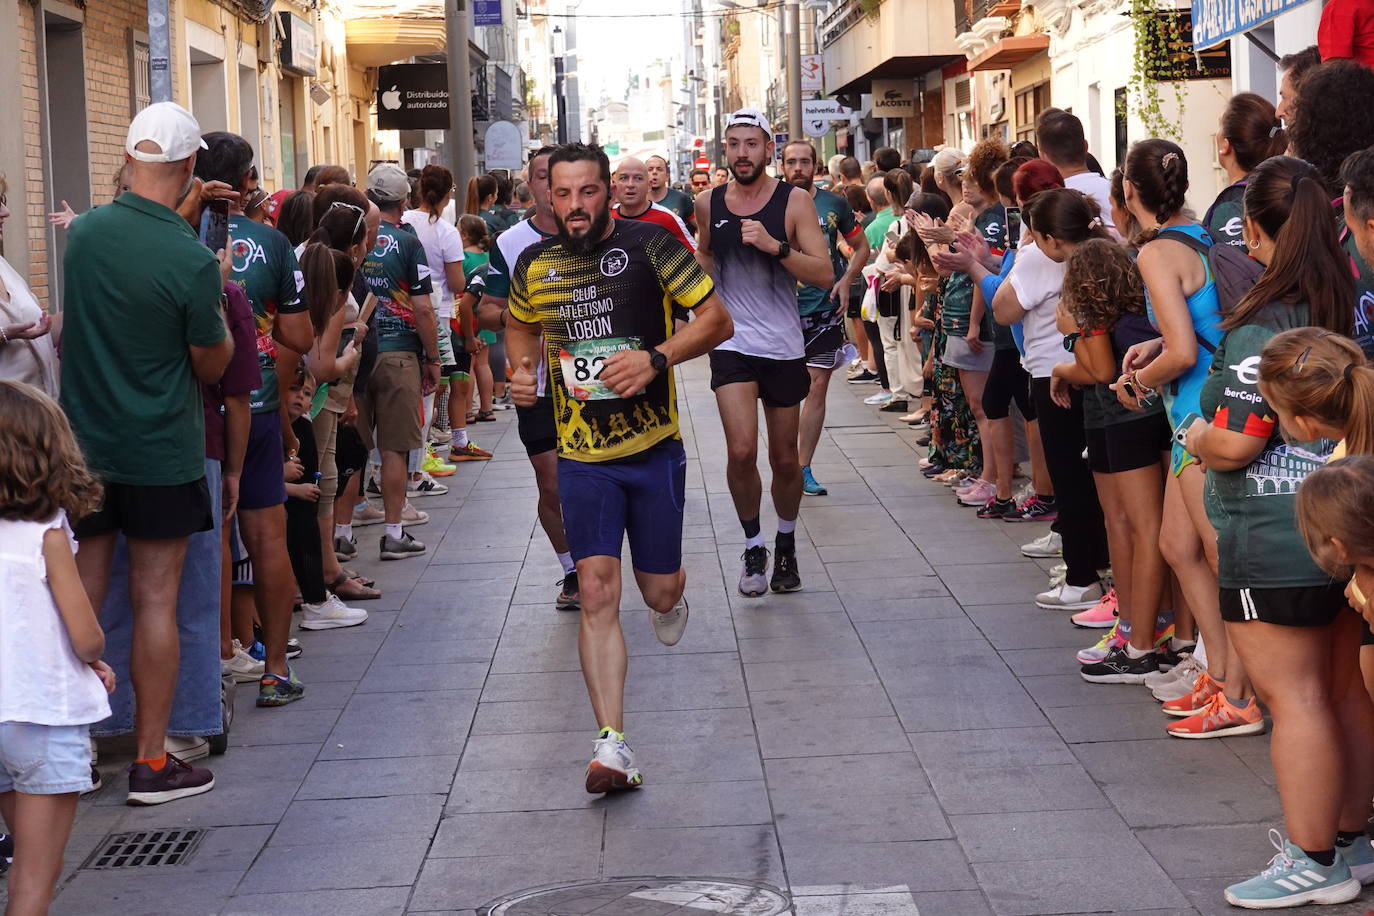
(44, 759)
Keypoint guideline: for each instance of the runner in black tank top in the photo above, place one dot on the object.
(758, 252)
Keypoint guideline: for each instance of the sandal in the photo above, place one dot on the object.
(486, 416)
(350, 574)
(472, 416)
(353, 589)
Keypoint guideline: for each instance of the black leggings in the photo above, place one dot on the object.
(1007, 382)
(875, 344)
(303, 544)
(1080, 514)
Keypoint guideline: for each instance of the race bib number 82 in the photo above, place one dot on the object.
(582, 362)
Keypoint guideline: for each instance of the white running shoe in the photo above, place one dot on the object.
(1187, 668)
(331, 614)
(1051, 545)
(612, 768)
(1182, 685)
(242, 667)
(425, 486)
(411, 516)
(670, 626)
(1068, 597)
(881, 399)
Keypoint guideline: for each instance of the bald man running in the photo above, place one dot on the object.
(630, 184)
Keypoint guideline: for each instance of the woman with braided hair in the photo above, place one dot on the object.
(1181, 297)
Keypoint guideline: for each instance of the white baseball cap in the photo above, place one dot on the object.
(171, 127)
(388, 181)
(750, 117)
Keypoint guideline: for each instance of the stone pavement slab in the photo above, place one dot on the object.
(907, 736)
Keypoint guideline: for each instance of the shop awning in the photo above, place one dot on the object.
(1008, 52)
(1214, 21)
(385, 31)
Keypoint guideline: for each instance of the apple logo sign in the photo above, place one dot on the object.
(391, 100)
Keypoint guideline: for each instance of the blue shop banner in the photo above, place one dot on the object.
(486, 12)
(1214, 21)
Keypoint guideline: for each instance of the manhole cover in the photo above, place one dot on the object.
(145, 849)
(645, 897)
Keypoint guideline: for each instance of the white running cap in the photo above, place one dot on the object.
(171, 127)
(750, 117)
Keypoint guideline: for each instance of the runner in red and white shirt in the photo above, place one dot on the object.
(630, 184)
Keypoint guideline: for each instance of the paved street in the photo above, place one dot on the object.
(908, 735)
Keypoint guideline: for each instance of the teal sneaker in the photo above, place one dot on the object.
(809, 485)
(1294, 879)
(1359, 858)
(275, 690)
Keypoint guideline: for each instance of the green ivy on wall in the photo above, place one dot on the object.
(870, 7)
(1158, 37)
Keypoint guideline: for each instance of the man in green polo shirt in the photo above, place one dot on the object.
(143, 327)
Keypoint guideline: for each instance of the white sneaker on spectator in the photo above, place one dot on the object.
(242, 667)
(330, 614)
(425, 486)
(367, 514)
(1068, 597)
(411, 516)
(882, 398)
(1051, 545)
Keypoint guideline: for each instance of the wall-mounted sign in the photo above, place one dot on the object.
(824, 109)
(893, 99)
(503, 146)
(299, 49)
(412, 97)
(1215, 21)
(812, 73)
(486, 12)
(1183, 61)
(816, 128)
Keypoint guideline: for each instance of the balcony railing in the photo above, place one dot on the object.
(967, 13)
(840, 21)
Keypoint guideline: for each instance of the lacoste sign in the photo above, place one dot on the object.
(412, 97)
(893, 99)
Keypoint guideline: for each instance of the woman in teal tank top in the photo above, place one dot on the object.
(1182, 303)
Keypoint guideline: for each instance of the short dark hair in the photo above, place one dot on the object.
(1357, 174)
(1059, 135)
(1326, 127)
(542, 151)
(1298, 63)
(849, 168)
(582, 152)
(886, 158)
(311, 174)
(696, 172)
(815, 157)
(227, 158)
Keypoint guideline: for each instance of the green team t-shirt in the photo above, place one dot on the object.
(837, 222)
(396, 271)
(265, 268)
(680, 203)
(1253, 508)
(1224, 219)
(1364, 296)
(992, 224)
(140, 291)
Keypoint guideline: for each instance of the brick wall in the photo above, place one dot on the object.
(106, 34)
(34, 220)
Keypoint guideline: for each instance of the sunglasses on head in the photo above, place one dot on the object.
(355, 208)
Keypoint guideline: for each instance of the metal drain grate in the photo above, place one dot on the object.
(146, 849)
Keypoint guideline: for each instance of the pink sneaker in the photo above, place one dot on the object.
(1100, 616)
(978, 494)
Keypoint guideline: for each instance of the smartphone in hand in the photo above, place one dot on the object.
(214, 225)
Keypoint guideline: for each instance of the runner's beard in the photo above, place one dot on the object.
(752, 177)
(805, 182)
(582, 244)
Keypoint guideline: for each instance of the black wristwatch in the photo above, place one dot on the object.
(657, 359)
(784, 250)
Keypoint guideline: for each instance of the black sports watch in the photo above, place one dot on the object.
(657, 359)
(784, 250)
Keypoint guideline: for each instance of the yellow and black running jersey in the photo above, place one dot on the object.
(618, 296)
